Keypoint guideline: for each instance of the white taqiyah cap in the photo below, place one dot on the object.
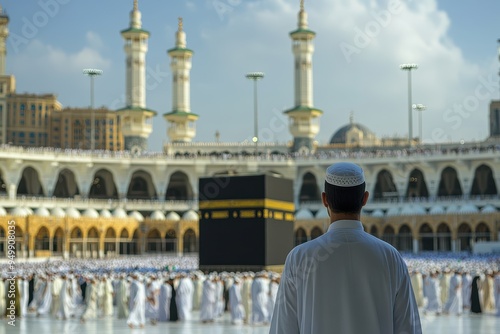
(345, 174)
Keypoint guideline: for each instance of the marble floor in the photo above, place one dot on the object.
(431, 324)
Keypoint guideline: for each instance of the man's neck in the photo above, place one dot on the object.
(344, 216)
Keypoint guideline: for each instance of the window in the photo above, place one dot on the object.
(21, 107)
(33, 107)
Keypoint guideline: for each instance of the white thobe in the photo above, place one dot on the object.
(273, 293)
(91, 307)
(219, 296)
(24, 283)
(497, 294)
(260, 300)
(164, 302)
(345, 281)
(444, 283)
(2, 297)
(122, 299)
(107, 298)
(454, 305)
(198, 289)
(246, 295)
(57, 284)
(236, 304)
(433, 294)
(152, 293)
(208, 301)
(417, 284)
(137, 315)
(66, 306)
(184, 298)
(488, 294)
(466, 290)
(46, 300)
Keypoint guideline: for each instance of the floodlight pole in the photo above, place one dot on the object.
(255, 76)
(92, 72)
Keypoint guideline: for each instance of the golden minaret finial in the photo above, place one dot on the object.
(301, 5)
(136, 5)
(180, 23)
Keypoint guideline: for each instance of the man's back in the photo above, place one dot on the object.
(345, 281)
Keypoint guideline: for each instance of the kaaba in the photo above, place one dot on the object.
(246, 222)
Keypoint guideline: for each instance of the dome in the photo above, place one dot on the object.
(377, 213)
(452, 209)
(394, 211)
(304, 214)
(119, 213)
(136, 215)
(19, 212)
(73, 213)
(436, 210)
(3, 212)
(90, 213)
(105, 213)
(190, 215)
(157, 215)
(489, 209)
(340, 137)
(468, 208)
(173, 216)
(413, 210)
(58, 212)
(42, 212)
(322, 214)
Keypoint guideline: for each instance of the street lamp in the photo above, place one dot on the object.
(419, 107)
(409, 67)
(92, 72)
(255, 76)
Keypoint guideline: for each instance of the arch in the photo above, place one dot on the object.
(92, 243)
(374, 231)
(141, 186)
(110, 242)
(103, 185)
(483, 232)
(189, 242)
(3, 244)
(76, 242)
(464, 237)
(58, 242)
(179, 188)
(42, 239)
(170, 241)
(443, 238)
(66, 185)
(389, 236)
(300, 236)
(384, 186)
(484, 182)
(405, 238)
(449, 185)
(426, 237)
(309, 191)
(153, 241)
(417, 187)
(316, 232)
(124, 233)
(30, 183)
(3, 185)
(19, 240)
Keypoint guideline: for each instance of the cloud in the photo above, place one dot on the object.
(382, 35)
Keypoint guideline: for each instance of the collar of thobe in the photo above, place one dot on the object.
(345, 224)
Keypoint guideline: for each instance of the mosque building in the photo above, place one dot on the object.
(65, 200)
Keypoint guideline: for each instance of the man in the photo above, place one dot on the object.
(345, 281)
(454, 305)
(433, 293)
(137, 303)
(235, 303)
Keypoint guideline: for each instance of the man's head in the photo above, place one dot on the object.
(344, 188)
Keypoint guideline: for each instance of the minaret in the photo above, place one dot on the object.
(181, 119)
(135, 118)
(304, 121)
(4, 33)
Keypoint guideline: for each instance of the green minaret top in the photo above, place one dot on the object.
(135, 20)
(302, 23)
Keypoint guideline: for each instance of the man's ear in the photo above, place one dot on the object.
(323, 199)
(365, 198)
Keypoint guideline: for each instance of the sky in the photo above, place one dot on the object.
(359, 46)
